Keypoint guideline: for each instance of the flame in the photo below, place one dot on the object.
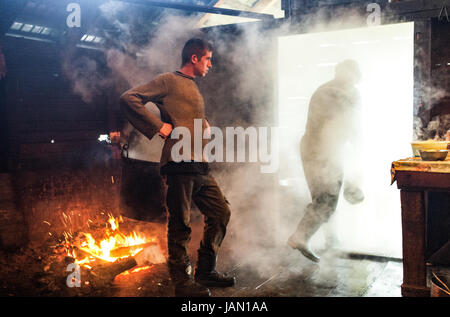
(138, 269)
(113, 239)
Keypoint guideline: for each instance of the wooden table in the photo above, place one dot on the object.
(415, 179)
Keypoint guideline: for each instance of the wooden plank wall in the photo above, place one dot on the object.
(41, 106)
(75, 175)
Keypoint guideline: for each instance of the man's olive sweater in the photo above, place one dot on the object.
(179, 100)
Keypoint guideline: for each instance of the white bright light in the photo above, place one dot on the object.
(104, 137)
(37, 29)
(27, 28)
(46, 31)
(16, 26)
(385, 56)
(89, 38)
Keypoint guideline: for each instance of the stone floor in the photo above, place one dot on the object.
(279, 271)
(337, 275)
(345, 278)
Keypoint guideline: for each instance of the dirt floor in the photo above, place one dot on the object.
(40, 269)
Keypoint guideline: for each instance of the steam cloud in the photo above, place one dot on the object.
(438, 126)
(237, 93)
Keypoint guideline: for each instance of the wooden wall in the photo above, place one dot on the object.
(55, 164)
(41, 106)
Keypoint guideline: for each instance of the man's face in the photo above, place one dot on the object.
(202, 65)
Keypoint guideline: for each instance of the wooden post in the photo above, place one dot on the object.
(413, 232)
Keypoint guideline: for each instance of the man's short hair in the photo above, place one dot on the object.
(195, 46)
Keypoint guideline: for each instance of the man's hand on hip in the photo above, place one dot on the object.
(165, 130)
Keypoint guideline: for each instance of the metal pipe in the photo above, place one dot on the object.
(206, 9)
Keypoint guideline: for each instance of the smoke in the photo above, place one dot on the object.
(86, 77)
(429, 92)
(240, 92)
(129, 64)
(112, 12)
(386, 103)
(436, 129)
(237, 92)
(162, 54)
(265, 214)
(242, 82)
(437, 126)
(127, 60)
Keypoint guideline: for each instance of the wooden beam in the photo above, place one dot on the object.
(410, 10)
(206, 9)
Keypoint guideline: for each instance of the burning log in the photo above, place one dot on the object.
(103, 274)
(124, 251)
(111, 252)
(108, 246)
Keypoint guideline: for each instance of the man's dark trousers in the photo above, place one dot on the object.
(204, 191)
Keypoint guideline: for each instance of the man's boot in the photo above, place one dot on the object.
(184, 285)
(307, 227)
(189, 288)
(206, 273)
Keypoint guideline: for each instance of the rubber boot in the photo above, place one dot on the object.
(307, 227)
(184, 285)
(206, 273)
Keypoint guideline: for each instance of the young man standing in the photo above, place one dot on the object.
(180, 103)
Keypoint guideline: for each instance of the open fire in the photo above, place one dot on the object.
(109, 244)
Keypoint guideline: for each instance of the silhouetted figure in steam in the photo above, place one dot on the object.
(333, 123)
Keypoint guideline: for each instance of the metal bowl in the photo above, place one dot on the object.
(429, 145)
(433, 155)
